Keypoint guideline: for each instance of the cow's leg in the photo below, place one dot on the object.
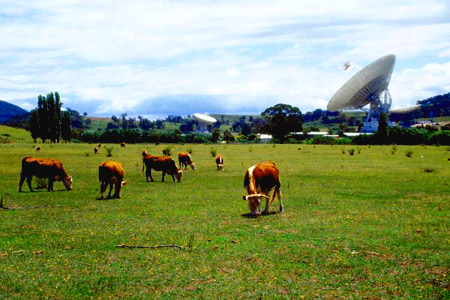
(163, 174)
(149, 174)
(110, 190)
(29, 179)
(279, 199)
(50, 184)
(103, 186)
(118, 186)
(268, 201)
(22, 179)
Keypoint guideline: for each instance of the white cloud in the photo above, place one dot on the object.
(113, 56)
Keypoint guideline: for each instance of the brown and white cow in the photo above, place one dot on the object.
(166, 164)
(37, 149)
(259, 180)
(219, 162)
(122, 144)
(184, 159)
(95, 150)
(44, 168)
(111, 173)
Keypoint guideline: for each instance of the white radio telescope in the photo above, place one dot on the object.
(204, 121)
(368, 86)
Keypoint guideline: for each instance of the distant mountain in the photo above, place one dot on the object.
(8, 111)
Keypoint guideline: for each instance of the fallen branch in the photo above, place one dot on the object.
(153, 247)
(177, 247)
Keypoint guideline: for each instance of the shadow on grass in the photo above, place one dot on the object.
(250, 216)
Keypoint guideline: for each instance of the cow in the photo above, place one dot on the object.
(184, 159)
(122, 144)
(111, 173)
(95, 150)
(259, 180)
(166, 164)
(37, 149)
(219, 162)
(99, 145)
(44, 168)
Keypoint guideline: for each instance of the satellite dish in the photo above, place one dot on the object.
(369, 85)
(205, 118)
(405, 110)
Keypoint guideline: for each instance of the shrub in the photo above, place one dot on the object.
(167, 151)
(428, 170)
(359, 150)
(394, 149)
(213, 152)
(189, 150)
(87, 154)
(351, 151)
(109, 151)
(409, 153)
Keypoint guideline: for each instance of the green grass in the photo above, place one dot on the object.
(372, 225)
(10, 135)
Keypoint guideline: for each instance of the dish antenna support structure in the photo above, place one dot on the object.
(368, 86)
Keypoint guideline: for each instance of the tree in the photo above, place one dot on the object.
(66, 130)
(215, 135)
(282, 119)
(382, 132)
(34, 124)
(228, 136)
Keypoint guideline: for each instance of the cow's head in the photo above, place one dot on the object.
(68, 182)
(193, 166)
(254, 202)
(178, 175)
(219, 167)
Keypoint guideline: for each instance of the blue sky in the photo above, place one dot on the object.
(156, 58)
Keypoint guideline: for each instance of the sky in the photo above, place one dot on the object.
(157, 58)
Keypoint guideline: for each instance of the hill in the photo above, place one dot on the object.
(14, 135)
(8, 111)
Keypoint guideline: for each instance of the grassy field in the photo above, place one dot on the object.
(373, 225)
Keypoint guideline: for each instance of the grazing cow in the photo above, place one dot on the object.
(259, 180)
(37, 149)
(184, 159)
(96, 150)
(219, 162)
(99, 145)
(111, 173)
(122, 144)
(44, 168)
(166, 164)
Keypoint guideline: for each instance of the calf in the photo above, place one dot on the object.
(95, 150)
(166, 164)
(111, 173)
(259, 180)
(44, 168)
(184, 159)
(219, 162)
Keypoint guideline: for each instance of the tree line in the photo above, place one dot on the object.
(47, 122)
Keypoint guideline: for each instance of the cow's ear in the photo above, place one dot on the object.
(70, 178)
(245, 198)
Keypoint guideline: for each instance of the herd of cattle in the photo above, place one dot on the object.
(259, 179)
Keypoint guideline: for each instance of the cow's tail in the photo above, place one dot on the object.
(143, 167)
